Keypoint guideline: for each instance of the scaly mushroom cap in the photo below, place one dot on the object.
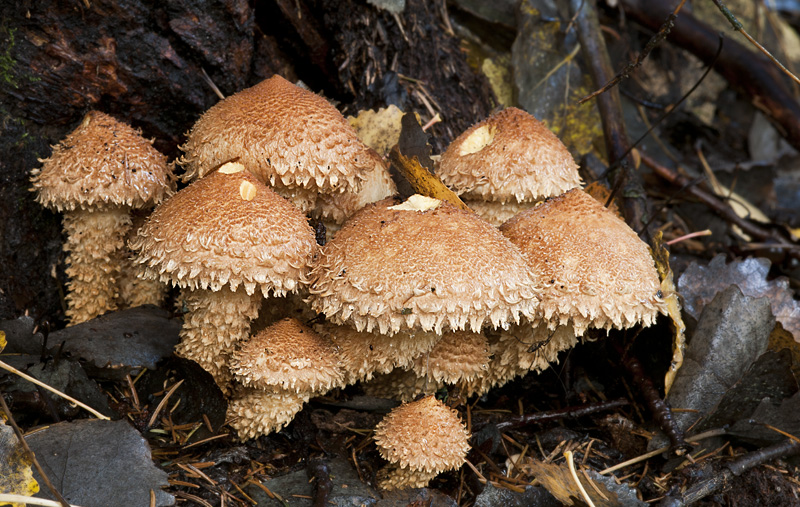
(364, 354)
(394, 268)
(227, 229)
(102, 163)
(338, 207)
(253, 412)
(423, 435)
(283, 133)
(496, 212)
(459, 355)
(400, 385)
(510, 155)
(595, 269)
(289, 356)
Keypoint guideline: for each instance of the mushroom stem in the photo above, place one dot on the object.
(213, 326)
(93, 239)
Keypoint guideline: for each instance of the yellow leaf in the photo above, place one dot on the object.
(423, 182)
(380, 130)
(670, 295)
(16, 474)
(3, 341)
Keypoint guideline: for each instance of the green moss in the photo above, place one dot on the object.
(7, 61)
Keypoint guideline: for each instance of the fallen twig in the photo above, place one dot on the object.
(703, 488)
(658, 407)
(749, 73)
(571, 412)
(628, 181)
(760, 232)
(319, 475)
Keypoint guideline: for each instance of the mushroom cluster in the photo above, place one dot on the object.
(413, 295)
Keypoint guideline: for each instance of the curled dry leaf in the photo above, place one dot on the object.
(698, 285)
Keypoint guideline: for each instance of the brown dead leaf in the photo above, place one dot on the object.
(558, 480)
(698, 285)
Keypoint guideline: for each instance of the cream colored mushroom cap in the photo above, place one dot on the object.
(595, 269)
(280, 132)
(459, 355)
(103, 162)
(253, 412)
(227, 229)
(423, 435)
(434, 270)
(509, 156)
(338, 207)
(363, 354)
(290, 356)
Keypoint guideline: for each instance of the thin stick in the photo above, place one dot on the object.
(737, 25)
(697, 234)
(639, 459)
(163, 402)
(41, 384)
(571, 463)
(30, 500)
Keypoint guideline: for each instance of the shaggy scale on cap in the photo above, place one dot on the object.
(434, 270)
(214, 233)
(102, 163)
(95, 176)
(459, 355)
(289, 356)
(424, 436)
(509, 156)
(282, 133)
(595, 269)
(253, 412)
(364, 353)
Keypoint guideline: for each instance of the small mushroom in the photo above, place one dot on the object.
(365, 353)
(288, 137)
(288, 356)
(228, 241)
(506, 164)
(420, 440)
(279, 369)
(254, 412)
(459, 356)
(95, 176)
(421, 265)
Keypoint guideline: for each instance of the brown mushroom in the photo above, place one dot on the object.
(395, 267)
(254, 412)
(279, 369)
(94, 176)
(506, 164)
(595, 270)
(364, 354)
(228, 241)
(289, 137)
(288, 356)
(421, 439)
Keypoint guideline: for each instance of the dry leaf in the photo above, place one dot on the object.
(670, 295)
(380, 130)
(698, 285)
(16, 475)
